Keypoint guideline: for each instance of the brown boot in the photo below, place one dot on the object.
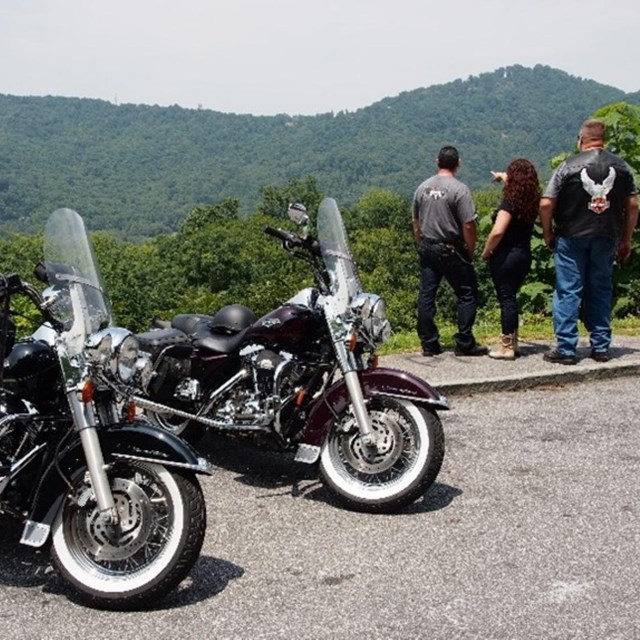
(516, 350)
(505, 350)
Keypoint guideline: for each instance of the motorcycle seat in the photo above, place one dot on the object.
(206, 339)
(188, 322)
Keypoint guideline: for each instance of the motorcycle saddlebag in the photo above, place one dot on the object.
(156, 340)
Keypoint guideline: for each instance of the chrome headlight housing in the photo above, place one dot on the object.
(126, 358)
(116, 351)
(98, 348)
(373, 315)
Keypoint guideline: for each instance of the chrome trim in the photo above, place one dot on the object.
(203, 465)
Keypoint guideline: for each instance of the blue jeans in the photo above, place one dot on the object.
(438, 261)
(584, 275)
(509, 267)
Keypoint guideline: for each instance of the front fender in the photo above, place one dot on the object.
(375, 383)
(142, 441)
(137, 441)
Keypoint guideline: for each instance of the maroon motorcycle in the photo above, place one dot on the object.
(304, 377)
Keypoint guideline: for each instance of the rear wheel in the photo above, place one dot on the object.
(186, 429)
(399, 469)
(157, 540)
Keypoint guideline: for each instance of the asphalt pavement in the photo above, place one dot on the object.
(455, 375)
(529, 533)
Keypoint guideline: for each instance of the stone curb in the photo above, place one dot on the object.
(568, 374)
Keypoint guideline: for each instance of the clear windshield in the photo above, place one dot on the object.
(80, 302)
(332, 237)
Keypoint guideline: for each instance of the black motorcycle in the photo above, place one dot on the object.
(305, 377)
(118, 498)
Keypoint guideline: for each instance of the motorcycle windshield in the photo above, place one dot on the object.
(338, 260)
(80, 302)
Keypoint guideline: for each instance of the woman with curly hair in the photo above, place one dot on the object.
(508, 247)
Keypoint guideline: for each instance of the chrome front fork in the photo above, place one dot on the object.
(85, 422)
(350, 375)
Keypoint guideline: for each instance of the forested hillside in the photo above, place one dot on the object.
(138, 170)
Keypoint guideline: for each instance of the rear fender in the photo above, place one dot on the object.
(137, 441)
(376, 383)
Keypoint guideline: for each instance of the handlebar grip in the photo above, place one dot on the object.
(10, 283)
(294, 240)
(277, 233)
(290, 239)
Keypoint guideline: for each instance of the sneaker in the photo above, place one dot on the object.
(557, 357)
(429, 353)
(476, 350)
(600, 356)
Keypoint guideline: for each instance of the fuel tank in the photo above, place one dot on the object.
(32, 371)
(293, 327)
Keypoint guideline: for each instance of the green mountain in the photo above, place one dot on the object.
(140, 169)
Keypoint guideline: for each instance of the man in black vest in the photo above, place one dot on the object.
(588, 213)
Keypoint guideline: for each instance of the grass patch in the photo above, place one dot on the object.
(487, 331)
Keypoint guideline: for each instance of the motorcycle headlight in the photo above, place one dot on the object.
(126, 358)
(373, 315)
(98, 348)
(380, 327)
(115, 350)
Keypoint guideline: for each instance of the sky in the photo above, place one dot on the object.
(298, 57)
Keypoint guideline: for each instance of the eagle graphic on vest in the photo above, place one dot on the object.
(598, 192)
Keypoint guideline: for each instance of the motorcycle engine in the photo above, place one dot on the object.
(16, 431)
(266, 362)
(270, 385)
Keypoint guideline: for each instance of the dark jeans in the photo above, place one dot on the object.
(509, 266)
(438, 261)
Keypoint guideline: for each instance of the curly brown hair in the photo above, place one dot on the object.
(522, 189)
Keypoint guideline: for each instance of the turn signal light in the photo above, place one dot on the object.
(88, 390)
(130, 412)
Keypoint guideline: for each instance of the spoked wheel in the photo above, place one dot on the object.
(187, 429)
(133, 563)
(402, 465)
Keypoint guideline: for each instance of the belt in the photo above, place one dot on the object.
(454, 244)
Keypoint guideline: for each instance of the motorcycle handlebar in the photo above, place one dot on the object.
(281, 234)
(294, 240)
(10, 284)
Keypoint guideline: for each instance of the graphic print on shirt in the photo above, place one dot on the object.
(435, 194)
(598, 192)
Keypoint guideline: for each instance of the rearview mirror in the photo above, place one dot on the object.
(298, 213)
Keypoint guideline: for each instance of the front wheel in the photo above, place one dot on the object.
(399, 469)
(130, 565)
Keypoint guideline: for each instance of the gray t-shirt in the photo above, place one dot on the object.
(443, 205)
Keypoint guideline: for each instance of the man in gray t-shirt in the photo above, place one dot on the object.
(444, 226)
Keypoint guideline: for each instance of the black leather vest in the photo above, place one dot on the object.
(595, 185)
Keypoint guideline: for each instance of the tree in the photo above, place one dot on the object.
(275, 200)
(203, 215)
(623, 131)
(380, 208)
